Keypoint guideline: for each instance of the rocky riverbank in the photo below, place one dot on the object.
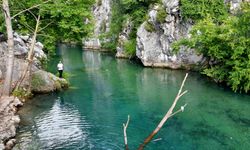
(9, 121)
(41, 82)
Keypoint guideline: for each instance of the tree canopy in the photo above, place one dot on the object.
(61, 20)
(226, 46)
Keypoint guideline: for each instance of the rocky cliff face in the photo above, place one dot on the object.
(21, 48)
(123, 38)
(102, 17)
(154, 48)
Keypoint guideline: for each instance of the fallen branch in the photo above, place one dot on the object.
(167, 115)
(125, 134)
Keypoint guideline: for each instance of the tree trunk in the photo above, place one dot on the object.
(167, 115)
(30, 57)
(10, 62)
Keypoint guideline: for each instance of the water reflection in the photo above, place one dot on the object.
(59, 127)
(106, 90)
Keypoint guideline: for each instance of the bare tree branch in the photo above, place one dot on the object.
(45, 26)
(30, 55)
(35, 6)
(180, 110)
(125, 134)
(167, 115)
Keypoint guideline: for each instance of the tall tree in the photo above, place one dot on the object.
(10, 61)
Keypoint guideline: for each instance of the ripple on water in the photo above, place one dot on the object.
(59, 127)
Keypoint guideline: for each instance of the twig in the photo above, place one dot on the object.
(45, 26)
(29, 9)
(125, 133)
(30, 55)
(167, 115)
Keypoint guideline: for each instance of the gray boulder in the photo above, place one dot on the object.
(38, 49)
(45, 82)
(25, 38)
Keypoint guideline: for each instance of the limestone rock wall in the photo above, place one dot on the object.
(21, 48)
(123, 38)
(154, 48)
(102, 17)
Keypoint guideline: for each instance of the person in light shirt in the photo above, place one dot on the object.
(60, 69)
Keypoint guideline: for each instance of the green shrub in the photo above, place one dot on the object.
(44, 62)
(161, 15)
(99, 2)
(37, 80)
(226, 46)
(130, 47)
(22, 93)
(200, 9)
(110, 45)
(65, 75)
(149, 27)
(103, 26)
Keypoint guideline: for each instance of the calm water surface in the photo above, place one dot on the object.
(104, 90)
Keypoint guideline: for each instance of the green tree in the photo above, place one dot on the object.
(61, 20)
(226, 46)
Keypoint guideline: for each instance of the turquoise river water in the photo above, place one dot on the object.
(104, 90)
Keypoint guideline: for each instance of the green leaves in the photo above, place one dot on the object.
(199, 9)
(61, 20)
(227, 47)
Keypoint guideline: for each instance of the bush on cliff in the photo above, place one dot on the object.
(227, 47)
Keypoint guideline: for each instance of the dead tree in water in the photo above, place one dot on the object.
(164, 119)
(167, 115)
(125, 134)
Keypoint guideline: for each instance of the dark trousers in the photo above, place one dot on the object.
(60, 73)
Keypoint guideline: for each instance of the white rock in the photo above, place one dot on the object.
(1, 75)
(154, 49)
(102, 17)
(25, 37)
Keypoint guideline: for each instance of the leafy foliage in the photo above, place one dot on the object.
(161, 15)
(61, 20)
(121, 10)
(199, 9)
(149, 26)
(227, 47)
(130, 47)
(22, 93)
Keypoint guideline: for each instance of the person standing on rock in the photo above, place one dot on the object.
(60, 69)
